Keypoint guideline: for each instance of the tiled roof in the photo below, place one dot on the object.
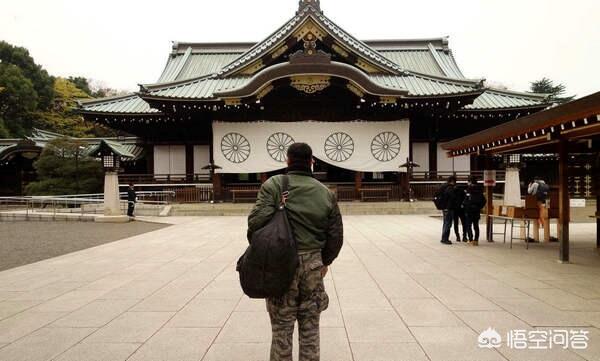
(494, 99)
(310, 12)
(417, 85)
(127, 104)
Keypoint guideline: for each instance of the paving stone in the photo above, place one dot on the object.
(239, 352)
(99, 352)
(10, 308)
(452, 344)
(22, 324)
(375, 326)
(70, 301)
(44, 344)
(131, 327)
(205, 313)
(95, 314)
(425, 312)
(176, 344)
(385, 351)
(246, 327)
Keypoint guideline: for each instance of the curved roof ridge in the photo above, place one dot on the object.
(111, 99)
(175, 84)
(517, 93)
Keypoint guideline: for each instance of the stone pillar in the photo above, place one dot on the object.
(112, 206)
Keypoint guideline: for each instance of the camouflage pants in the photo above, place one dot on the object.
(304, 301)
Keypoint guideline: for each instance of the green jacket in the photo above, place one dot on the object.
(312, 210)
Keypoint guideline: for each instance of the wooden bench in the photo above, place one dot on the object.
(375, 193)
(244, 194)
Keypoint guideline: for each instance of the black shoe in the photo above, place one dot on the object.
(465, 239)
(457, 238)
(446, 242)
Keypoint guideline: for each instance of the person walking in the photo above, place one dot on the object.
(540, 189)
(317, 226)
(131, 200)
(472, 205)
(445, 200)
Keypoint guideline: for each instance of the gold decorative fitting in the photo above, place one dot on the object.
(310, 44)
(312, 28)
(233, 101)
(338, 49)
(354, 89)
(388, 100)
(253, 68)
(263, 92)
(279, 51)
(366, 66)
(310, 84)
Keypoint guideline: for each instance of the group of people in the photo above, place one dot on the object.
(461, 204)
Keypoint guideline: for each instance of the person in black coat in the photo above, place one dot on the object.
(459, 213)
(447, 202)
(472, 205)
(131, 200)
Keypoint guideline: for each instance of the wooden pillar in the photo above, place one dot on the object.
(217, 187)
(564, 211)
(433, 166)
(489, 207)
(598, 219)
(264, 177)
(358, 183)
(189, 163)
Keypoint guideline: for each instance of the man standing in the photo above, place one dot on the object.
(131, 200)
(473, 204)
(540, 189)
(316, 223)
(446, 196)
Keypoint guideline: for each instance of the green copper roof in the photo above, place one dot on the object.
(494, 99)
(114, 146)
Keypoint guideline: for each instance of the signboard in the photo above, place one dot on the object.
(578, 203)
(489, 178)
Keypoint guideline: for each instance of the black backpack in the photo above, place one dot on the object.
(268, 266)
(542, 192)
(440, 198)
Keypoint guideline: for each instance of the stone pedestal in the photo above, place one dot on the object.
(112, 206)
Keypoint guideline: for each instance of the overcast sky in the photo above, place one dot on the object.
(125, 42)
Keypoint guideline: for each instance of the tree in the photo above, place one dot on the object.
(82, 83)
(63, 118)
(42, 82)
(64, 168)
(18, 99)
(555, 92)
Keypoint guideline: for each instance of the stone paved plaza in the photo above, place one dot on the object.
(396, 294)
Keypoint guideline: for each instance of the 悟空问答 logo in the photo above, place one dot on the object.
(490, 338)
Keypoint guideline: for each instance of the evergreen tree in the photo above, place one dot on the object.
(64, 168)
(18, 99)
(555, 92)
(42, 82)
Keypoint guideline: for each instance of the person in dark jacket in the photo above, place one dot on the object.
(131, 200)
(472, 205)
(317, 227)
(448, 193)
(459, 213)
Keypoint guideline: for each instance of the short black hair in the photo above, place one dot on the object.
(299, 153)
(452, 179)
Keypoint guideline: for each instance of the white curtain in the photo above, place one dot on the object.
(169, 159)
(259, 147)
(512, 188)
